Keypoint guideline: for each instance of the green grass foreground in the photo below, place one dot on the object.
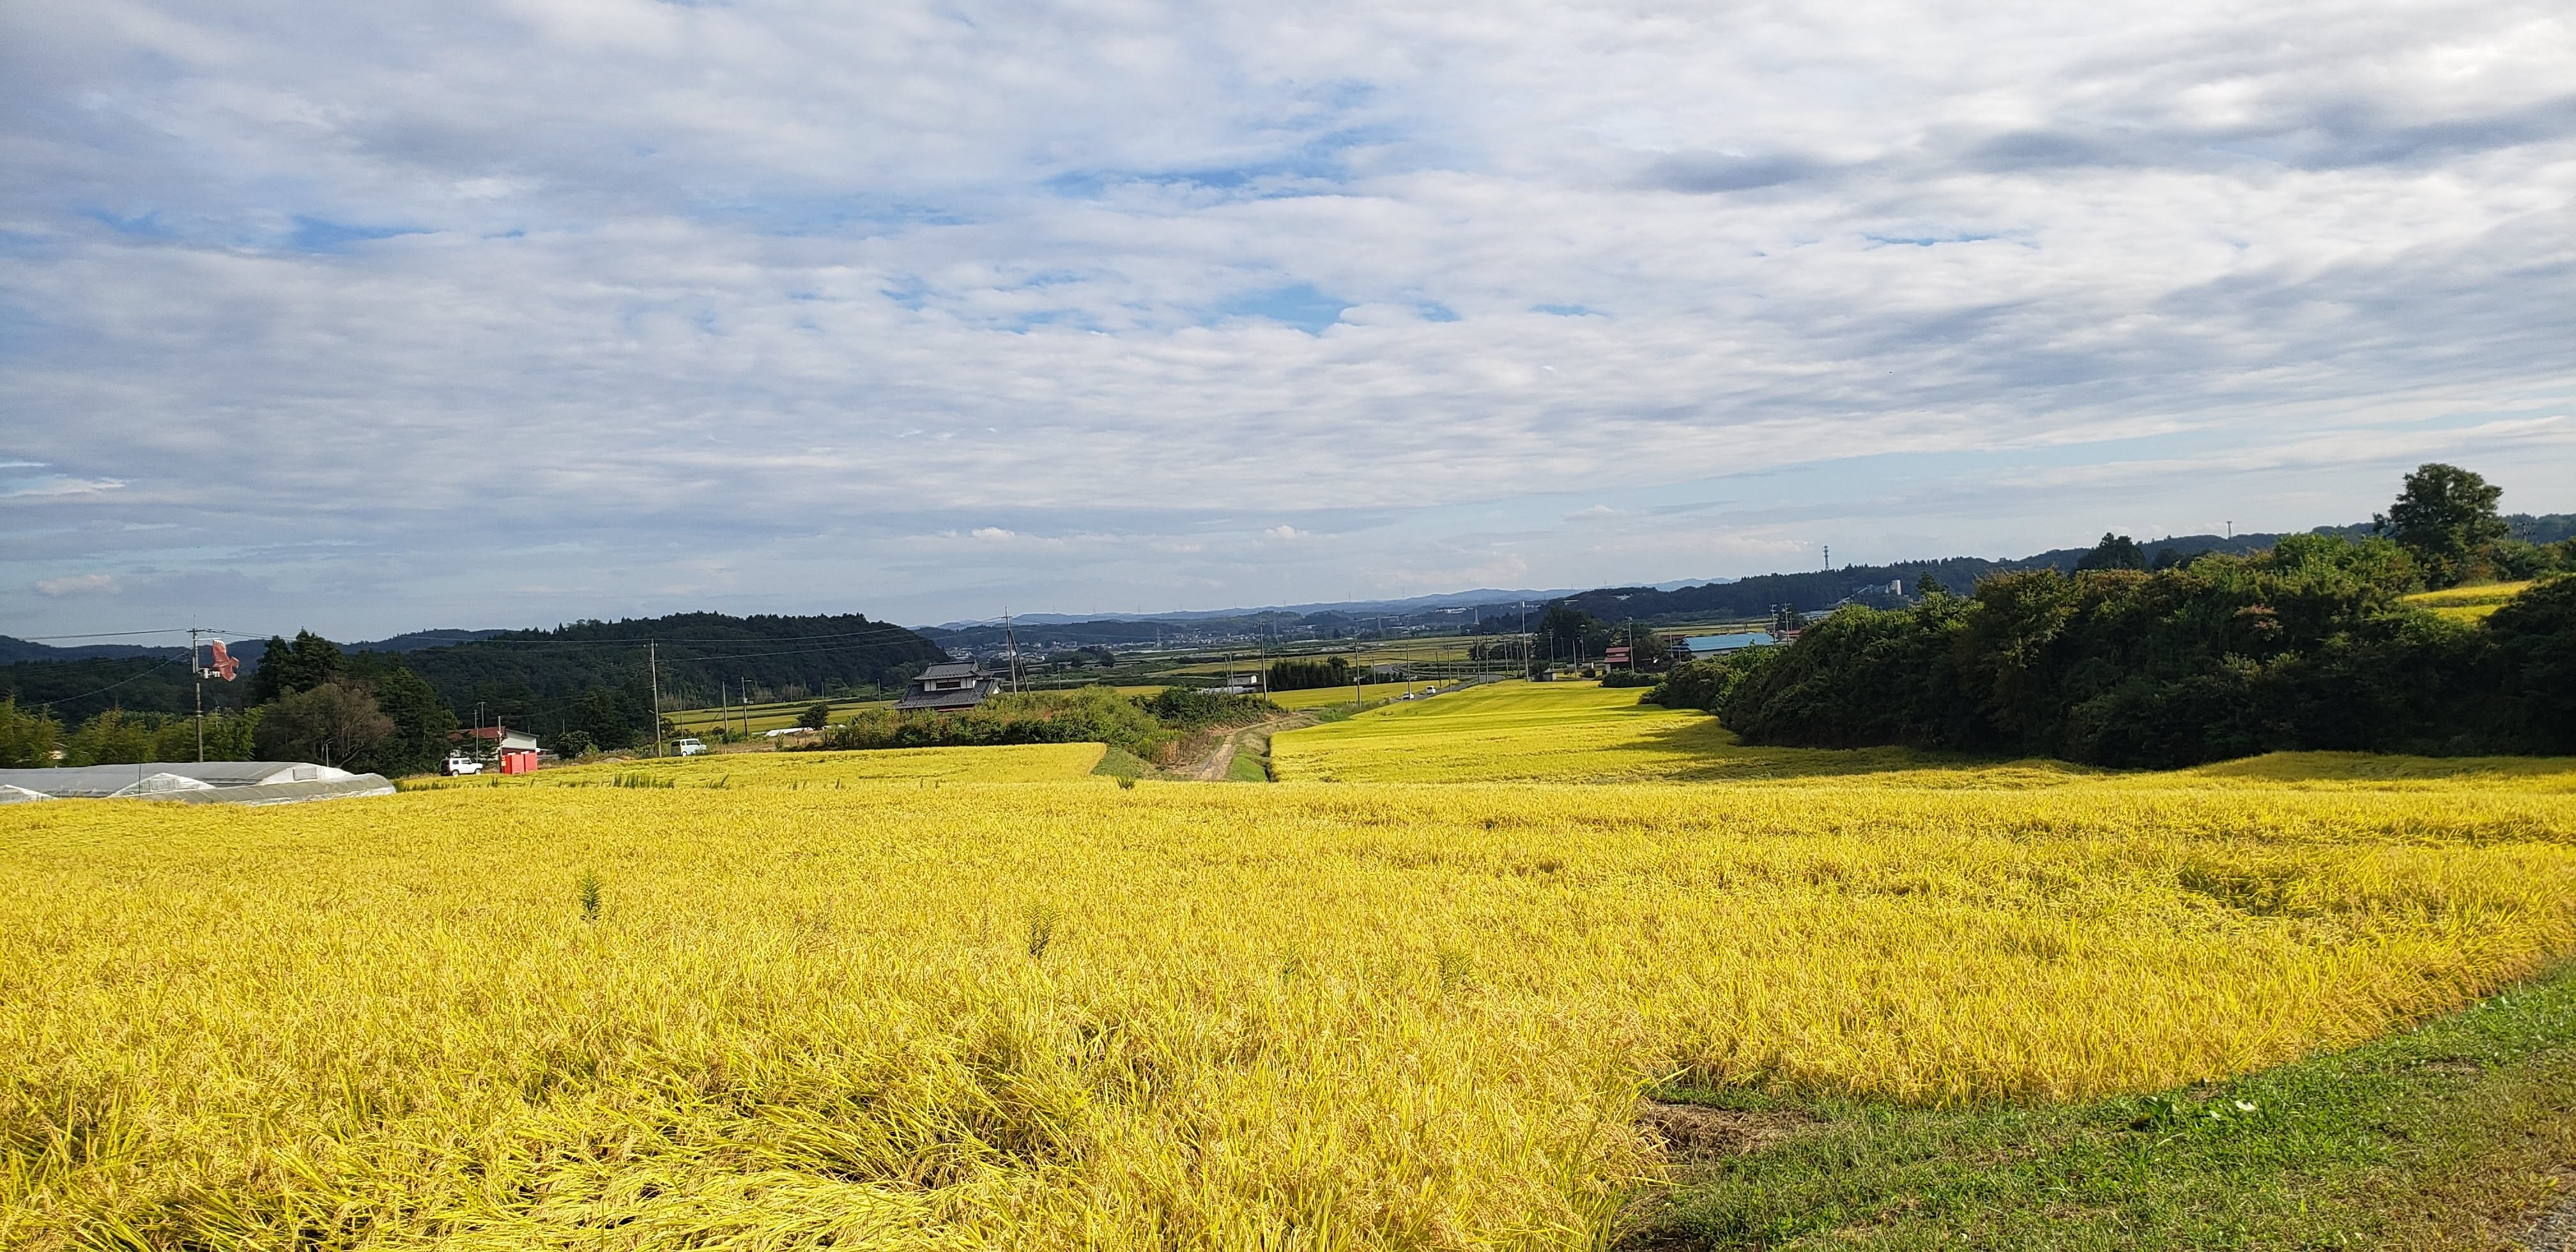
(2454, 1135)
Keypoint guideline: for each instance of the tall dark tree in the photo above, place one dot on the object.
(331, 724)
(114, 737)
(1307, 673)
(421, 721)
(2446, 518)
(2535, 644)
(27, 736)
(608, 717)
(1567, 631)
(2114, 552)
(286, 668)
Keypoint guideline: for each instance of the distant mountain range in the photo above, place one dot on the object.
(535, 677)
(1454, 599)
(13, 651)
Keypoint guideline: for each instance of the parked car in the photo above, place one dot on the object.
(691, 747)
(459, 763)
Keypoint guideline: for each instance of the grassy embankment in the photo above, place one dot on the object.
(2452, 1135)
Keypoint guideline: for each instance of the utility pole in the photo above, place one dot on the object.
(200, 676)
(1829, 557)
(653, 662)
(1011, 642)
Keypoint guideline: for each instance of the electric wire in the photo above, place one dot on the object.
(43, 704)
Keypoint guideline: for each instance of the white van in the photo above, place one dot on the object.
(691, 747)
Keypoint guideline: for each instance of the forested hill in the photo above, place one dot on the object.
(701, 656)
(534, 677)
(13, 651)
(1757, 596)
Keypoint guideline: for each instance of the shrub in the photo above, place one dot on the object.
(1704, 685)
(1186, 709)
(1082, 715)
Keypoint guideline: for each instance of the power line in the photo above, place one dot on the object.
(130, 634)
(108, 688)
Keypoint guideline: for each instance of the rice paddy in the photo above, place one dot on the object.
(1036, 762)
(1581, 732)
(1325, 697)
(975, 998)
(2469, 604)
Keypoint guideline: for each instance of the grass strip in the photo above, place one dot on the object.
(1247, 766)
(2453, 1135)
(1118, 762)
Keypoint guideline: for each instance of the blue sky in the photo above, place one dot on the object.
(382, 317)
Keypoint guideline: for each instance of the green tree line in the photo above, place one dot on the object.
(2306, 645)
(1151, 727)
(308, 701)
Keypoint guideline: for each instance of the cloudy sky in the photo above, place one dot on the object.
(505, 312)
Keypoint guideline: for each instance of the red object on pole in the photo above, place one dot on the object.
(225, 666)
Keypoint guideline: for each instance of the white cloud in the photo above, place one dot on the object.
(77, 584)
(57, 485)
(1286, 533)
(789, 286)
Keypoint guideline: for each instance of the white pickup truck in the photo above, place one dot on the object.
(691, 747)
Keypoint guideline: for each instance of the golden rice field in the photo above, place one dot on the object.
(1583, 732)
(2469, 604)
(1586, 733)
(1037, 762)
(972, 998)
(1321, 697)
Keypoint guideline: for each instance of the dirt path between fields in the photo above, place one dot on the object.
(1214, 768)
